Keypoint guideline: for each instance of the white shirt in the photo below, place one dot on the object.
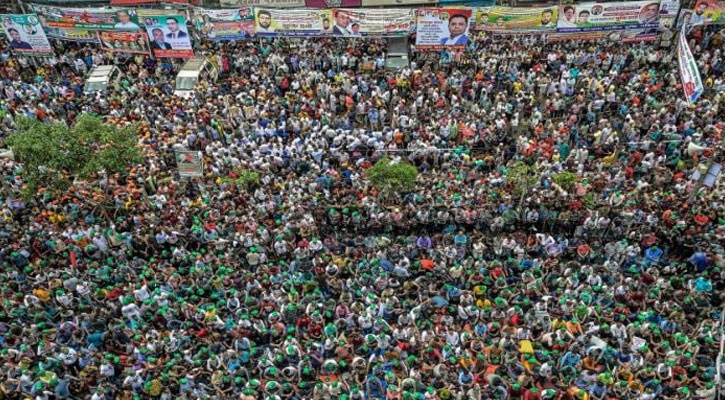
(126, 26)
(564, 23)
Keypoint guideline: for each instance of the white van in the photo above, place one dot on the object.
(191, 73)
(397, 57)
(101, 77)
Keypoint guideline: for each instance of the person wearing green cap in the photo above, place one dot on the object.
(521, 214)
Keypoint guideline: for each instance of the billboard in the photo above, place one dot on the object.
(72, 34)
(668, 13)
(25, 34)
(708, 12)
(618, 36)
(332, 3)
(262, 3)
(189, 163)
(372, 22)
(87, 18)
(231, 24)
(124, 42)
(689, 73)
(269, 22)
(592, 17)
(510, 19)
(167, 33)
(396, 3)
(442, 28)
(669, 8)
(684, 18)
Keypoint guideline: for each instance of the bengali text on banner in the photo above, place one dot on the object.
(263, 3)
(332, 3)
(592, 17)
(72, 34)
(124, 42)
(442, 28)
(231, 24)
(511, 19)
(689, 72)
(269, 22)
(167, 32)
(25, 34)
(84, 18)
(372, 22)
(668, 13)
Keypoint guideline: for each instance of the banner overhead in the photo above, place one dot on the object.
(668, 13)
(372, 22)
(262, 3)
(190, 164)
(269, 22)
(72, 34)
(592, 17)
(124, 42)
(397, 3)
(82, 18)
(332, 3)
(167, 33)
(708, 12)
(442, 28)
(25, 34)
(684, 18)
(510, 19)
(233, 24)
(689, 73)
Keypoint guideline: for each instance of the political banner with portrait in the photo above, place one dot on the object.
(372, 22)
(668, 13)
(332, 3)
(592, 17)
(513, 20)
(683, 18)
(87, 18)
(190, 164)
(72, 34)
(124, 42)
(708, 12)
(25, 34)
(442, 28)
(618, 36)
(397, 3)
(231, 24)
(689, 72)
(269, 22)
(262, 3)
(167, 33)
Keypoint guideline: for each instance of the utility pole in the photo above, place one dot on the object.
(718, 362)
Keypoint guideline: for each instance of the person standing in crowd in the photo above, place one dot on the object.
(562, 238)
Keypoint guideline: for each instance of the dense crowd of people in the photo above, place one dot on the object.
(596, 273)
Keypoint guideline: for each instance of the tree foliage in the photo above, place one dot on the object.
(521, 176)
(589, 201)
(244, 178)
(392, 177)
(53, 155)
(566, 180)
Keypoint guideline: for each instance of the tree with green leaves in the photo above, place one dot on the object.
(389, 177)
(243, 178)
(566, 180)
(54, 155)
(523, 177)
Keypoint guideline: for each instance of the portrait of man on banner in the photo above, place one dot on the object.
(457, 26)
